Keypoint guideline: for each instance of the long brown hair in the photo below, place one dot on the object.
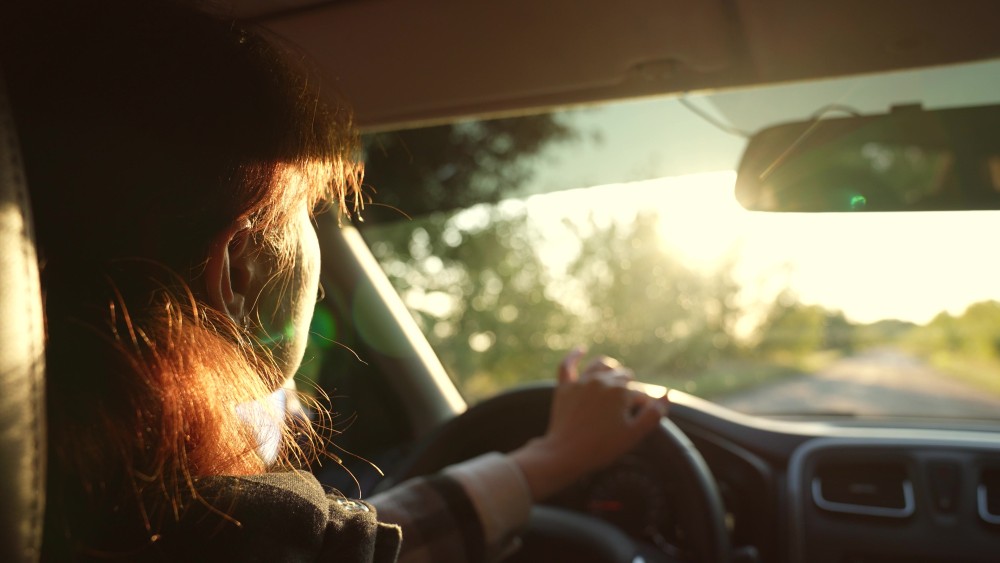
(147, 129)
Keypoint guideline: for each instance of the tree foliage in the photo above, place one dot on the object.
(479, 294)
(455, 166)
(795, 329)
(502, 317)
(646, 305)
(974, 334)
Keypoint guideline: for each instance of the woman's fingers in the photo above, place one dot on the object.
(642, 405)
(602, 364)
(568, 367)
(607, 369)
(641, 397)
(637, 405)
(597, 415)
(648, 416)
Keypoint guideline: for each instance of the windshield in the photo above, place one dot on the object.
(615, 226)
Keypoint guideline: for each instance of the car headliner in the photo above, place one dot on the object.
(403, 63)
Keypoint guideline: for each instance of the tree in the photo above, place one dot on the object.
(885, 332)
(794, 329)
(473, 278)
(647, 306)
(447, 167)
(480, 296)
(974, 334)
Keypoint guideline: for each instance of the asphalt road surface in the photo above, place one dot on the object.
(881, 382)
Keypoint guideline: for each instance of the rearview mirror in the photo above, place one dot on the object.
(906, 160)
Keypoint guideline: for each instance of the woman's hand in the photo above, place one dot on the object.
(595, 419)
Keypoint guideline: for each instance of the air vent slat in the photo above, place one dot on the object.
(988, 496)
(866, 489)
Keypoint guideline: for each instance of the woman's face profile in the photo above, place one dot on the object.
(287, 301)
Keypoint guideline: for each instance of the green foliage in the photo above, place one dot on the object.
(793, 329)
(503, 318)
(420, 171)
(886, 332)
(473, 280)
(975, 334)
(646, 305)
(478, 293)
(732, 376)
(498, 315)
(966, 347)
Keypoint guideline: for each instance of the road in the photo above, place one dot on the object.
(881, 382)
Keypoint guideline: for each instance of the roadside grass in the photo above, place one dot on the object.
(981, 373)
(731, 376)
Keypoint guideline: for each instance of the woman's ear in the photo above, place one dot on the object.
(231, 272)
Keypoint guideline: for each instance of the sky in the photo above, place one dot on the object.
(656, 154)
(660, 137)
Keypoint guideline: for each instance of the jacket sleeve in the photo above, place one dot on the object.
(471, 511)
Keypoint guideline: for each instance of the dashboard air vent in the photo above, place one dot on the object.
(989, 496)
(881, 489)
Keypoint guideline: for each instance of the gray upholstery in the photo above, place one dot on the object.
(22, 361)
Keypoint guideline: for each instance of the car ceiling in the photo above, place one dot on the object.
(402, 62)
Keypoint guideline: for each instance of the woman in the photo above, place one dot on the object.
(174, 162)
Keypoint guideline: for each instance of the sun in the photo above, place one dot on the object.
(699, 216)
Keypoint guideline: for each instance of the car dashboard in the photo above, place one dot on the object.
(815, 492)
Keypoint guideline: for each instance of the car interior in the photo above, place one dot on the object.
(841, 406)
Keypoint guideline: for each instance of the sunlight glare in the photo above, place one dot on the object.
(870, 266)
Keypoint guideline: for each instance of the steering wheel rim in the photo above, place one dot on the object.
(505, 422)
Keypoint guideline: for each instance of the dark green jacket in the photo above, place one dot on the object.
(275, 517)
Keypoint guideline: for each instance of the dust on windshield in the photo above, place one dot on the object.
(513, 240)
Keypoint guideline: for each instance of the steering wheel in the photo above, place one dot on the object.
(508, 420)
